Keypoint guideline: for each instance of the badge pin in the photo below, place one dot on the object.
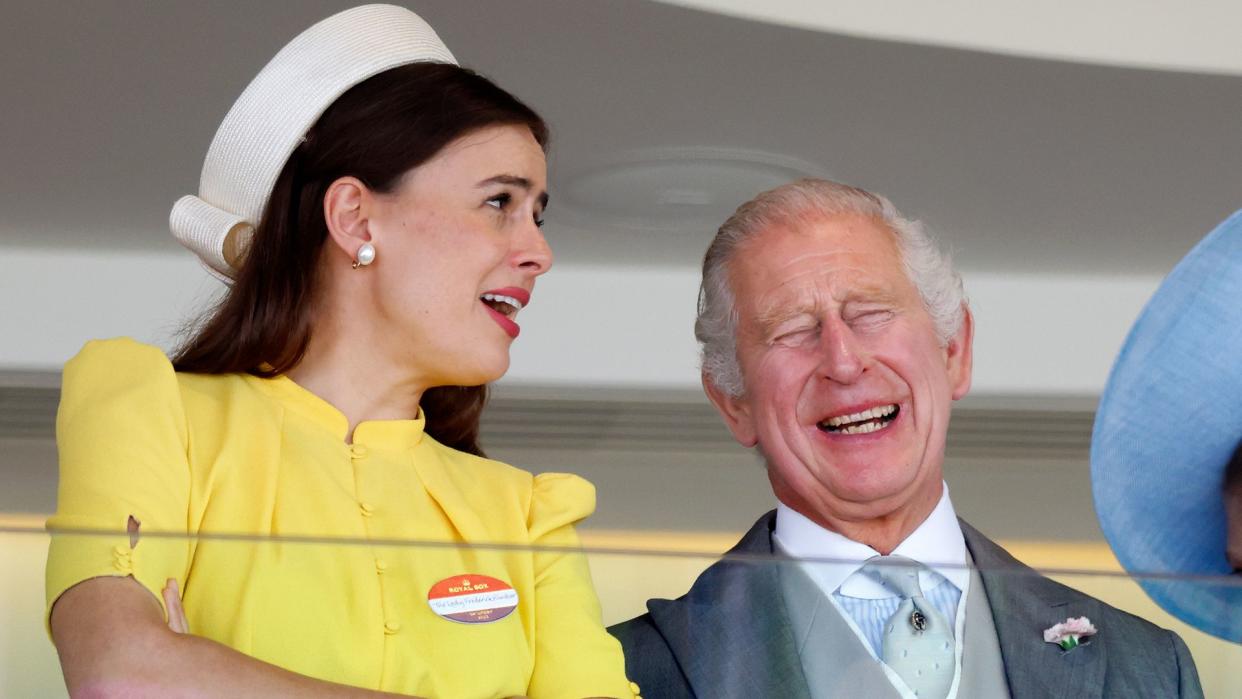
(472, 599)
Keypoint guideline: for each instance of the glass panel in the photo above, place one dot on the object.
(28, 663)
(628, 569)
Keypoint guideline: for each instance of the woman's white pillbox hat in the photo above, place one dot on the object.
(276, 110)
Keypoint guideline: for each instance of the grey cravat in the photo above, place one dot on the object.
(917, 640)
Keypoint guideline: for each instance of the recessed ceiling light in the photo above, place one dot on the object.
(688, 189)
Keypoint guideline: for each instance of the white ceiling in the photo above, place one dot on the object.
(1022, 165)
(1193, 35)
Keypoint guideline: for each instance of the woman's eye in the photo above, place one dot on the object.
(539, 220)
(500, 201)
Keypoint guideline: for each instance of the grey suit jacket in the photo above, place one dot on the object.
(730, 636)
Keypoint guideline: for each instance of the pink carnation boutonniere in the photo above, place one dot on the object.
(1069, 633)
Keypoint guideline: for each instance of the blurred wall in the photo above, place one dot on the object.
(587, 325)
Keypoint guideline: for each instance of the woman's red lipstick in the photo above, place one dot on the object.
(518, 294)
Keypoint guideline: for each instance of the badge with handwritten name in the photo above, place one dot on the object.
(472, 599)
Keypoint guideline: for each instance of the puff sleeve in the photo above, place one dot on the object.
(574, 656)
(121, 438)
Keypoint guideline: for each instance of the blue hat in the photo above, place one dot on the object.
(1168, 423)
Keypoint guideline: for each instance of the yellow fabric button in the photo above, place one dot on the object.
(123, 566)
(391, 627)
(120, 550)
(380, 565)
(358, 451)
(366, 509)
(634, 688)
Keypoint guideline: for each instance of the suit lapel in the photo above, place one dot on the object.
(1025, 603)
(731, 632)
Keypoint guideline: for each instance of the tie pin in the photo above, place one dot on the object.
(918, 621)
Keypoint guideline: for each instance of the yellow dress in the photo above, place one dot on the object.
(338, 561)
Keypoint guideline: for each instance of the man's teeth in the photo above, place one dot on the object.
(869, 414)
(864, 428)
(500, 298)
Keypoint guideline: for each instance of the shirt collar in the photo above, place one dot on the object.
(936, 543)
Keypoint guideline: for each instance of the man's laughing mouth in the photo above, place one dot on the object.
(863, 422)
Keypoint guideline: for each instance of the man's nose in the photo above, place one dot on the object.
(843, 359)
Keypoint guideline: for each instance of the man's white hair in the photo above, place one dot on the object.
(805, 202)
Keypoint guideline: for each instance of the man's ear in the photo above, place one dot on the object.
(734, 410)
(346, 210)
(959, 355)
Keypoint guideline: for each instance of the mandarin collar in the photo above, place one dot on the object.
(377, 433)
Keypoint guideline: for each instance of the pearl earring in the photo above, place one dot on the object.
(365, 256)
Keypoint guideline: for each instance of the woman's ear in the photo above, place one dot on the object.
(346, 211)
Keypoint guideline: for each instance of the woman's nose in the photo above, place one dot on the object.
(534, 255)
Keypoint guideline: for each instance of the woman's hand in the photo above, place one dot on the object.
(172, 602)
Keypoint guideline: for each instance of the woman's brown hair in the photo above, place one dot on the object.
(377, 131)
